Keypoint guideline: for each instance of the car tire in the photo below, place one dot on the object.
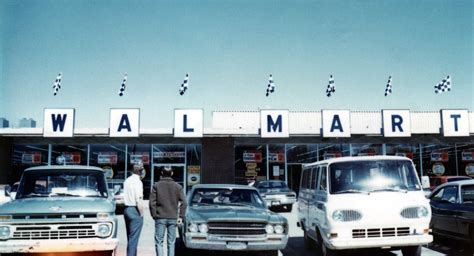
(325, 251)
(412, 251)
(308, 242)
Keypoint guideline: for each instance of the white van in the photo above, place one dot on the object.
(363, 202)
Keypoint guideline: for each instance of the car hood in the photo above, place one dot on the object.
(229, 213)
(57, 205)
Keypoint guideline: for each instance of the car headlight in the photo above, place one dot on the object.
(103, 230)
(193, 228)
(4, 232)
(269, 229)
(203, 228)
(422, 212)
(338, 215)
(279, 229)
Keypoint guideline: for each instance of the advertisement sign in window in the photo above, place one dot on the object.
(143, 157)
(468, 156)
(276, 157)
(439, 157)
(72, 157)
(107, 158)
(194, 175)
(438, 169)
(470, 169)
(252, 157)
(178, 154)
(31, 158)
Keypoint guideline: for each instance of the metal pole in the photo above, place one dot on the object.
(421, 160)
(456, 157)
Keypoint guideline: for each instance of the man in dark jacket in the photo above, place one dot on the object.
(165, 199)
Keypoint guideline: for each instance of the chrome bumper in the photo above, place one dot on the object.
(59, 245)
(236, 243)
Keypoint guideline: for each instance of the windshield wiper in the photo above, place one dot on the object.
(351, 191)
(389, 189)
(238, 204)
(63, 194)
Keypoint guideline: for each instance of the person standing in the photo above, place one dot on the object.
(165, 198)
(133, 212)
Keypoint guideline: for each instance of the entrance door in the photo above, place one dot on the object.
(178, 173)
(294, 176)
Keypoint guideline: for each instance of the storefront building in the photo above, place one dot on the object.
(266, 144)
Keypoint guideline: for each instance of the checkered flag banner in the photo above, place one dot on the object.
(444, 85)
(388, 89)
(331, 86)
(57, 84)
(122, 87)
(184, 85)
(271, 85)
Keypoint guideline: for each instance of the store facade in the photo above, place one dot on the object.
(267, 144)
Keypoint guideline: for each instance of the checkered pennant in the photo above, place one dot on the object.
(184, 85)
(444, 85)
(270, 86)
(122, 87)
(331, 86)
(388, 89)
(57, 84)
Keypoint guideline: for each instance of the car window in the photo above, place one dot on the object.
(450, 194)
(467, 194)
(222, 196)
(314, 177)
(458, 178)
(323, 179)
(438, 195)
(304, 178)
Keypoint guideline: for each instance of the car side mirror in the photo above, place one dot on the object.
(8, 191)
(425, 182)
(117, 189)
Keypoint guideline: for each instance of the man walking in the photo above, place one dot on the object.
(133, 213)
(165, 198)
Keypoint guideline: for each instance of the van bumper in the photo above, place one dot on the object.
(385, 242)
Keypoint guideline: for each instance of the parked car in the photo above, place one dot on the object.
(452, 205)
(5, 193)
(435, 181)
(59, 209)
(231, 217)
(363, 202)
(276, 194)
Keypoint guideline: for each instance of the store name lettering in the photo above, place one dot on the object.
(273, 123)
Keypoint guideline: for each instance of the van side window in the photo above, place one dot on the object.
(323, 179)
(314, 177)
(305, 178)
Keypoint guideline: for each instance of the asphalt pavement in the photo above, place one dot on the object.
(295, 245)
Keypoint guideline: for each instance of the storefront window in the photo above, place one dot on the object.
(69, 155)
(366, 149)
(249, 163)
(465, 155)
(25, 156)
(406, 150)
(438, 159)
(328, 151)
(276, 162)
(301, 154)
(109, 157)
(193, 160)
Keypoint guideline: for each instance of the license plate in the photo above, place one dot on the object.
(275, 203)
(236, 245)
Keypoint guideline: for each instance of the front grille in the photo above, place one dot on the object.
(351, 215)
(52, 216)
(410, 213)
(237, 228)
(378, 232)
(54, 231)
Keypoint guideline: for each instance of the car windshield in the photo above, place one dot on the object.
(271, 184)
(62, 183)
(220, 196)
(373, 176)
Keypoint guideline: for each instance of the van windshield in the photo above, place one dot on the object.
(373, 176)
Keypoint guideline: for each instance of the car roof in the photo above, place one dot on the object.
(64, 167)
(224, 186)
(457, 183)
(357, 158)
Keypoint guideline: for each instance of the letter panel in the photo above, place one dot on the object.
(188, 123)
(336, 123)
(455, 122)
(124, 122)
(274, 124)
(396, 123)
(58, 122)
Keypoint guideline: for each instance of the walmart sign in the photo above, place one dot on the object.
(188, 123)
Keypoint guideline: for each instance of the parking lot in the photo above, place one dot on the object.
(295, 245)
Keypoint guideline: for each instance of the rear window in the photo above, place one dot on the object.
(458, 178)
(467, 194)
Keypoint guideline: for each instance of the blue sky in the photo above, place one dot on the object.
(229, 48)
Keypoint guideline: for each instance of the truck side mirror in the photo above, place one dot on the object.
(117, 189)
(425, 182)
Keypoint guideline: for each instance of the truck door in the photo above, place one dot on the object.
(313, 203)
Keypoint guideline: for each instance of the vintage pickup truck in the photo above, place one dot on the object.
(60, 209)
